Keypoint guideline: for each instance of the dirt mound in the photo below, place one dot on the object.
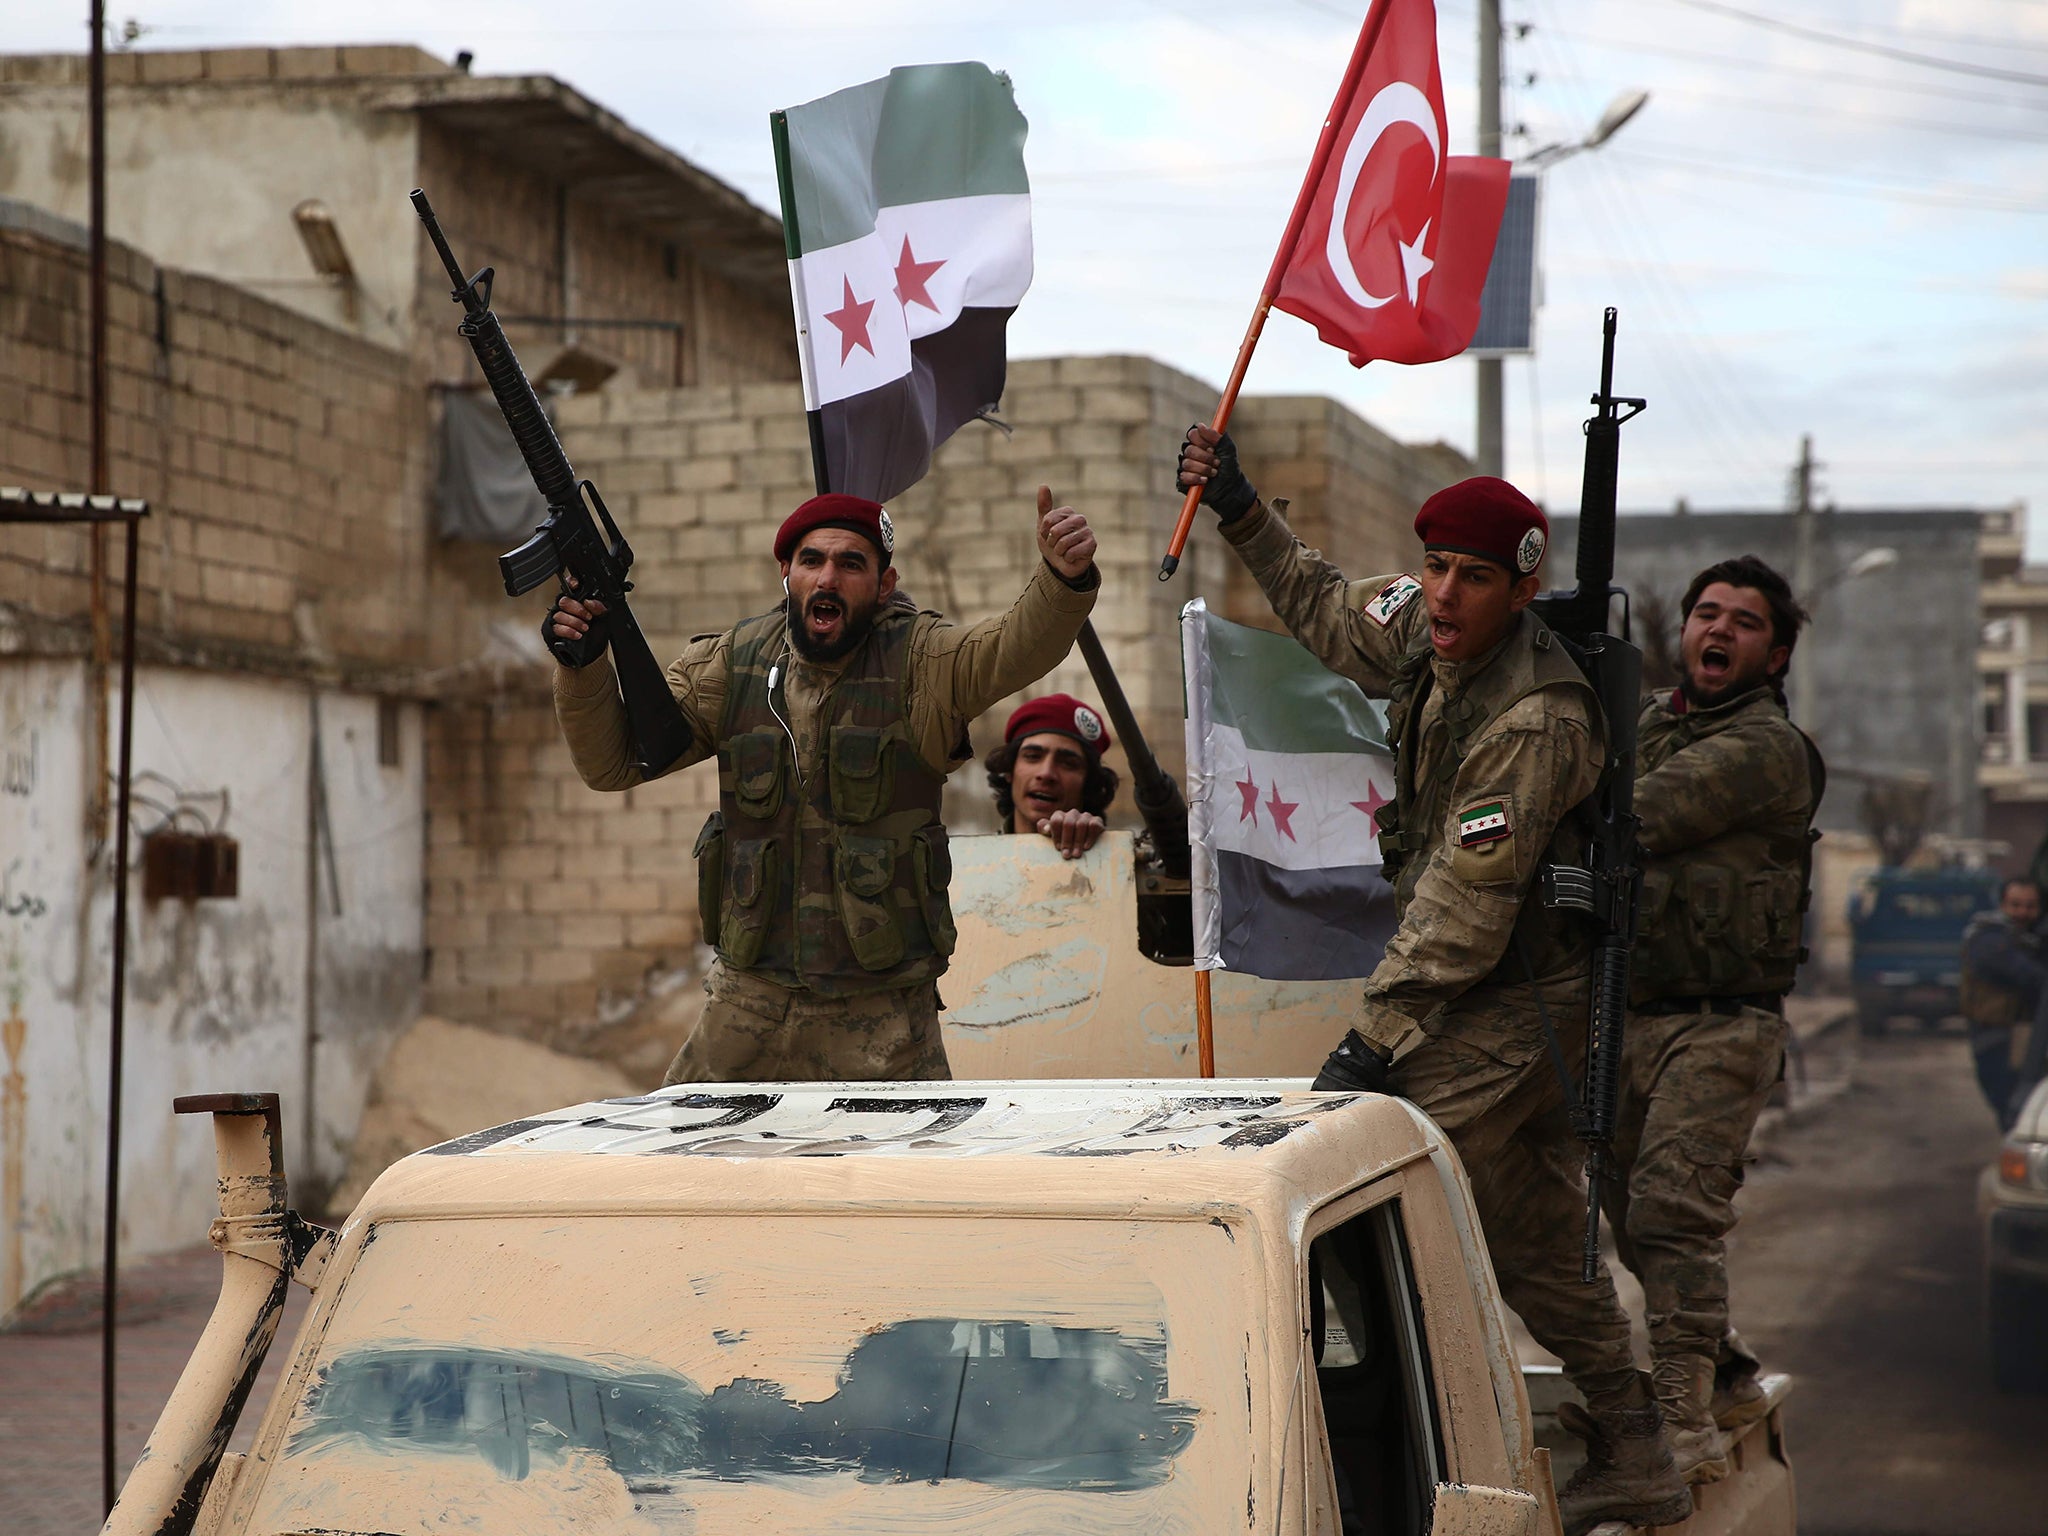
(443, 1080)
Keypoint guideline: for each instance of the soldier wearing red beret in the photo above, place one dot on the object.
(1048, 775)
(1496, 736)
(836, 717)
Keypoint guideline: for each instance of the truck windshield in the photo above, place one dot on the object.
(683, 1374)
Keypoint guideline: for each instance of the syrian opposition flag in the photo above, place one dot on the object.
(907, 218)
(1392, 236)
(1287, 769)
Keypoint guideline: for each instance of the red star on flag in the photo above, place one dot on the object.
(1248, 806)
(852, 319)
(1372, 803)
(1283, 813)
(911, 276)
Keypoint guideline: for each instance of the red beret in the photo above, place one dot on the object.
(855, 513)
(1488, 518)
(1060, 712)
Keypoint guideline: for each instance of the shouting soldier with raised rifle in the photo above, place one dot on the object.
(1509, 826)
(567, 545)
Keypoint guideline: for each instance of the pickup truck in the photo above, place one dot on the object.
(989, 1307)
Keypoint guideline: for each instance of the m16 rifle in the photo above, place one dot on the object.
(1607, 887)
(567, 544)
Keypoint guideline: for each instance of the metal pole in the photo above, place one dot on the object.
(1489, 453)
(1803, 579)
(96, 353)
(117, 1023)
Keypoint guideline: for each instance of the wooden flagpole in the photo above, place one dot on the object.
(1205, 1025)
(1319, 162)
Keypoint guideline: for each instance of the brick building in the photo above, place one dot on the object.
(354, 693)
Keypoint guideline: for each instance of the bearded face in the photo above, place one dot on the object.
(836, 583)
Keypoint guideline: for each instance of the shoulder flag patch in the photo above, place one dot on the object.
(1393, 597)
(1486, 822)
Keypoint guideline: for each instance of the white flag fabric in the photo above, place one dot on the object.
(1287, 770)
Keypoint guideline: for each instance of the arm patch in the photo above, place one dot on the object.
(1393, 597)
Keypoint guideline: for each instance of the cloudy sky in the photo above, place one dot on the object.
(1830, 219)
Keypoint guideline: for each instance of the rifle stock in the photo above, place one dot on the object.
(567, 540)
(1158, 797)
(1608, 887)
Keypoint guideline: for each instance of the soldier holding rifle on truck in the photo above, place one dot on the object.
(1726, 792)
(836, 717)
(1497, 738)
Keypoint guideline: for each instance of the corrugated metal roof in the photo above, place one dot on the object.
(1054, 1119)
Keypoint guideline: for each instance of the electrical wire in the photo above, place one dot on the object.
(1862, 45)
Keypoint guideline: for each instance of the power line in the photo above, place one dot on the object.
(1862, 45)
(1817, 179)
(1799, 71)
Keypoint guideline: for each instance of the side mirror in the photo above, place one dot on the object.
(1467, 1509)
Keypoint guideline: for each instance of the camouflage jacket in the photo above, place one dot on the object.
(1726, 797)
(1492, 753)
(2002, 972)
(947, 674)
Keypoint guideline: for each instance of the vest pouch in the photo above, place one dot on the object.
(865, 870)
(757, 773)
(861, 773)
(1656, 898)
(931, 862)
(710, 856)
(748, 907)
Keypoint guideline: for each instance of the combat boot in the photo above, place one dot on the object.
(1685, 1389)
(1629, 1474)
(1738, 1393)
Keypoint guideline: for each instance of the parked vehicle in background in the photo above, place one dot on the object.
(1906, 940)
(2014, 1198)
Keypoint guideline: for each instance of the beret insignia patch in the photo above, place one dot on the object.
(1088, 723)
(1529, 553)
(1393, 597)
(1486, 822)
(888, 533)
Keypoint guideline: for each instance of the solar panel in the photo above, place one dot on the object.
(1507, 307)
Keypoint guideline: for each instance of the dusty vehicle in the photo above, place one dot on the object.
(1906, 933)
(967, 1307)
(2014, 1201)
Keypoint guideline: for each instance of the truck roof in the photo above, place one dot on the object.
(1076, 1144)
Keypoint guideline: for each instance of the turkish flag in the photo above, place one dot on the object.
(1393, 235)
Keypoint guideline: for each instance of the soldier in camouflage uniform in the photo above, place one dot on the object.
(1496, 736)
(1726, 789)
(836, 717)
(2001, 989)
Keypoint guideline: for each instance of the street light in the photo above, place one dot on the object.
(1492, 410)
(1619, 111)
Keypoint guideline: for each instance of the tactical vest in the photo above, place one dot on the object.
(1551, 943)
(1724, 917)
(1986, 1003)
(835, 882)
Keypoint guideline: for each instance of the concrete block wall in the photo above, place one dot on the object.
(284, 461)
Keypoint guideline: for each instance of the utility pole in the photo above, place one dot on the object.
(1491, 456)
(1801, 678)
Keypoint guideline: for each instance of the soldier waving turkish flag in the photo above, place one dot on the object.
(1392, 237)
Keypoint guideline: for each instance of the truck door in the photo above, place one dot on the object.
(1375, 1448)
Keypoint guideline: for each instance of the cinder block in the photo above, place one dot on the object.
(307, 63)
(238, 63)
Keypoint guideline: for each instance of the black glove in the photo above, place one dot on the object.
(1354, 1067)
(1228, 494)
(575, 653)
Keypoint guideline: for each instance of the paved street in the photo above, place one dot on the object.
(1858, 1268)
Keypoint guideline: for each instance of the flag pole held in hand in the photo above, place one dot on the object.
(1318, 163)
(1426, 242)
